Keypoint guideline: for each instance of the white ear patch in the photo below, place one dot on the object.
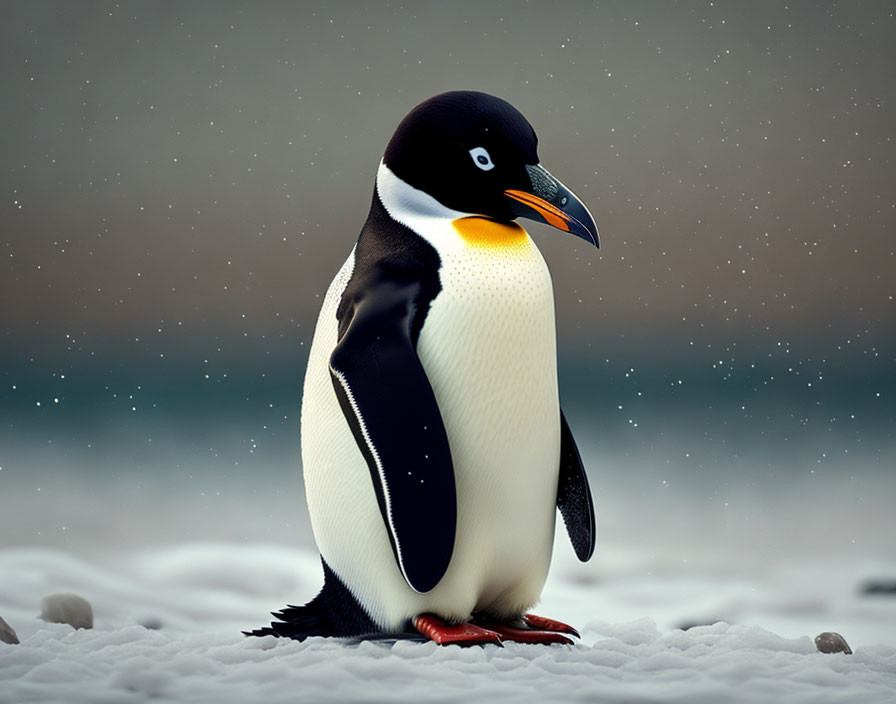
(481, 158)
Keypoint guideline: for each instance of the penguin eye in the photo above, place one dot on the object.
(481, 158)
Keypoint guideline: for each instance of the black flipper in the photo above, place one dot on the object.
(388, 401)
(333, 612)
(574, 496)
(391, 408)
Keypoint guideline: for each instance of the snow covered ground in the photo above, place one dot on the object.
(177, 575)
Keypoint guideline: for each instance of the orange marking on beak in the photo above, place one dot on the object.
(551, 213)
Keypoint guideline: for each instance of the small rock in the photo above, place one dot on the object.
(153, 623)
(830, 642)
(7, 634)
(880, 586)
(697, 622)
(67, 608)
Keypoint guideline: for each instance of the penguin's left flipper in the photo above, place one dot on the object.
(574, 496)
(393, 413)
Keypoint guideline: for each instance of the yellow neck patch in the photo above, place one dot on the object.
(489, 233)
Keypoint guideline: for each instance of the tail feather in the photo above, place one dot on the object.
(333, 612)
(265, 631)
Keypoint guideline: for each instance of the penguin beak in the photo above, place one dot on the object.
(549, 201)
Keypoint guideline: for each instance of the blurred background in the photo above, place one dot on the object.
(180, 181)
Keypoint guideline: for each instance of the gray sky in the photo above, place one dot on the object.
(206, 167)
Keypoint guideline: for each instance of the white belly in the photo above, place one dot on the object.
(488, 348)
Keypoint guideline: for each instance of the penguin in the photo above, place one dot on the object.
(434, 449)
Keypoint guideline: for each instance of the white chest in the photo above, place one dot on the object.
(489, 350)
(488, 344)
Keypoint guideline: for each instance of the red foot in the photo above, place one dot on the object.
(528, 635)
(462, 634)
(549, 624)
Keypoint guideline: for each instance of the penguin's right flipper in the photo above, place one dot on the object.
(574, 496)
(393, 413)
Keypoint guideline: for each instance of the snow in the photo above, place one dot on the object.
(630, 661)
(196, 598)
(754, 566)
(168, 620)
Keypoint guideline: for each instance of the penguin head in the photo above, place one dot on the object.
(477, 154)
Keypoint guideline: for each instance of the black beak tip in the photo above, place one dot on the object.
(595, 238)
(586, 230)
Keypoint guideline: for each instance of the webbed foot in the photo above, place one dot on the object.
(529, 629)
(549, 624)
(443, 633)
